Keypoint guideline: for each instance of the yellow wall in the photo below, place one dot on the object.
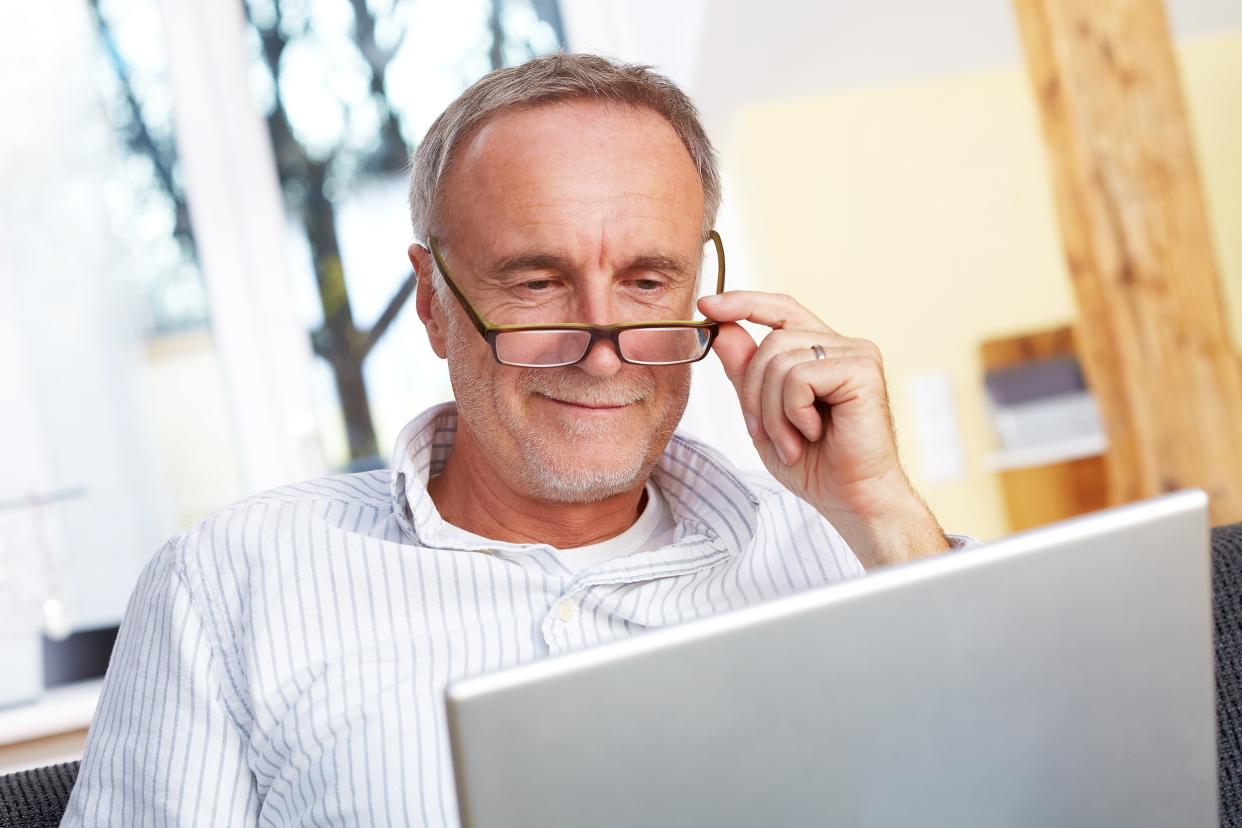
(919, 215)
(1212, 80)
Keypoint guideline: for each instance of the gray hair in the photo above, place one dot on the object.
(559, 77)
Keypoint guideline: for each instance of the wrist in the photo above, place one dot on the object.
(906, 529)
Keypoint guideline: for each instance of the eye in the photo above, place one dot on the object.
(538, 285)
(647, 285)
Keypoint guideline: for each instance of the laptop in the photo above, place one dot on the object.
(1059, 677)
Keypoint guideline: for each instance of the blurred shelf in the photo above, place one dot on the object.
(37, 753)
(58, 711)
(1062, 451)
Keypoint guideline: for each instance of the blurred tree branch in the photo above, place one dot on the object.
(141, 140)
(310, 176)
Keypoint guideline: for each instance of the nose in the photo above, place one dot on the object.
(602, 360)
(595, 306)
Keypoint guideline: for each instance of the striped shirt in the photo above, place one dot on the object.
(284, 661)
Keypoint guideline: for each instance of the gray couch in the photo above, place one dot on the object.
(36, 798)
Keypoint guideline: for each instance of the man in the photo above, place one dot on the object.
(284, 661)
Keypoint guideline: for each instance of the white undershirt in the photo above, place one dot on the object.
(653, 530)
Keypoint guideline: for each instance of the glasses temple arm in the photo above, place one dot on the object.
(720, 259)
(467, 306)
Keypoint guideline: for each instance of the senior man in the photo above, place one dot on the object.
(284, 661)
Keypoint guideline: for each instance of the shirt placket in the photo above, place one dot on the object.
(563, 623)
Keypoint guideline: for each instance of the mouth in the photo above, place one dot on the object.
(588, 406)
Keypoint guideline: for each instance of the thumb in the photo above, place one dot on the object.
(735, 347)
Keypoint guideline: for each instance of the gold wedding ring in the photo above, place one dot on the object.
(819, 351)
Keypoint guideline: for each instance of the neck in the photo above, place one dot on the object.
(471, 496)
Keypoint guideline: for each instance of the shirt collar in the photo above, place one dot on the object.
(704, 491)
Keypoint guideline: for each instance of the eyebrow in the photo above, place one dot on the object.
(523, 262)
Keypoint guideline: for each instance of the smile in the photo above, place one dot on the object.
(602, 407)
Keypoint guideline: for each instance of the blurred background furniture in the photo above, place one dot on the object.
(50, 730)
(1050, 459)
(36, 798)
(1227, 613)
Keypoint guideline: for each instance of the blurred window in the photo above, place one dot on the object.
(120, 431)
(347, 87)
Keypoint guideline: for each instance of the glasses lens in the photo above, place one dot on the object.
(663, 346)
(541, 349)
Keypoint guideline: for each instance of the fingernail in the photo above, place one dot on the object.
(752, 425)
(780, 452)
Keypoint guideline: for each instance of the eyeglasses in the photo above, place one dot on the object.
(658, 342)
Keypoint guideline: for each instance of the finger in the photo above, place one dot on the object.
(800, 403)
(736, 348)
(775, 310)
(773, 345)
(803, 396)
(784, 433)
(844, 380)
(799, 385)
(777, 343)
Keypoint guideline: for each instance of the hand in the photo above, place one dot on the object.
(823, 426)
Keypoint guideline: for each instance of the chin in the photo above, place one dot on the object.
(578, 490)
(568, 472)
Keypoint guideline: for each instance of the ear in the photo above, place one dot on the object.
(425, 300)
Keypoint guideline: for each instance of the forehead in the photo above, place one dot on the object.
(584, 171)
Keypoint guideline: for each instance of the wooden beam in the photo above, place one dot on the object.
(1151, 328)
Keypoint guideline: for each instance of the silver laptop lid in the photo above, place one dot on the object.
(1059, 677)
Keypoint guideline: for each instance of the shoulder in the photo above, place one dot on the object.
(363, 488)
(242, 553)
(224, 545)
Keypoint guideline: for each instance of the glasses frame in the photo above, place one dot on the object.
(490, 331)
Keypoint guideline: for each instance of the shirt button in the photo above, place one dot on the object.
(565, 610)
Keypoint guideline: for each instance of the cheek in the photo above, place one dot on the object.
(463, 346)
(673, 384)
(492, 390)
(505, 390)
(471, 365)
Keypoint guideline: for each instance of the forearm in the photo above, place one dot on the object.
(902, 532)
